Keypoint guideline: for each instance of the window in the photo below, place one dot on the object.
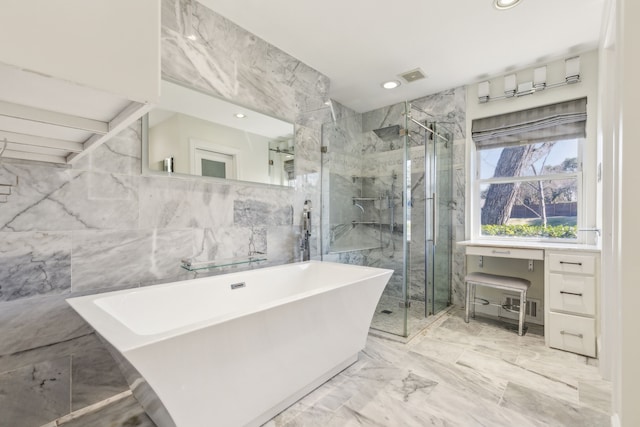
(214, 164)
(528, 172)
(213, 159)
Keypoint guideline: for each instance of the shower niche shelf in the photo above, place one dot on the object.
(371, 199)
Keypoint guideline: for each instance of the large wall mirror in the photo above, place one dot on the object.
(192, 133)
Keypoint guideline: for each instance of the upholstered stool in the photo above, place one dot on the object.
(515, 284)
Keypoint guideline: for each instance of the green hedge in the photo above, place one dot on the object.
(551, 231)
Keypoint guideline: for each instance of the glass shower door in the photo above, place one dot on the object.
(442, 216)
(438, 196)
(364, 206)
(386, 192)
(430, 252)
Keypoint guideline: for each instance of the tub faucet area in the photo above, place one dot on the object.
(305, 247)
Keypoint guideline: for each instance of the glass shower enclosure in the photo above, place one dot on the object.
(387, 202)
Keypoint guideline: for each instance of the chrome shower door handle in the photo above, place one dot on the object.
(434, 217)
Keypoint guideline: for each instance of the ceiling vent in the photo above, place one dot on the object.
(413, 75)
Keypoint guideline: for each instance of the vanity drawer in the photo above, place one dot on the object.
(572, 293)
(505, 252)
(572, 263)
(573, 333)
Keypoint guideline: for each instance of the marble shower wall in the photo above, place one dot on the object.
(382, 157)
(101, 226)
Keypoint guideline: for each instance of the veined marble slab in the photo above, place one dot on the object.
(34, 263)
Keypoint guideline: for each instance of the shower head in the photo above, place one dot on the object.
(388, 133)
(329, 102)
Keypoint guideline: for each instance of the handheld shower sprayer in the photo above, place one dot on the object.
(306, 231)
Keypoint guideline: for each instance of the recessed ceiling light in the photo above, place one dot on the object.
(505, 4)
(391, 84)
(240, 115)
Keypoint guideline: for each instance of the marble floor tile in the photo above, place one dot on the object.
(595, 394)
(439, 349)
(450, 374)
(503, 371)
(546, 410)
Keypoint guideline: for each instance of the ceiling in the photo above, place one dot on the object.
(359, 44)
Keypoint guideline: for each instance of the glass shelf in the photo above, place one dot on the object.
(354, 178)
(367, 198)
(225, 262)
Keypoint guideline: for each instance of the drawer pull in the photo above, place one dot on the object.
(571, 263)
(571, 293)
(572, 334)
(501, 252)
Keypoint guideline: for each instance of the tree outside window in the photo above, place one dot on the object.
(530, 190)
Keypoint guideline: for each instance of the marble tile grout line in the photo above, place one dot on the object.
(88, 409)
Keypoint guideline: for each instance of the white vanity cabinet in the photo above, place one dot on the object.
(74, 73)
(571, 293)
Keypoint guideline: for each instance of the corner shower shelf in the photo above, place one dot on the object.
(366, 198)
(354, 178)
(189, 265)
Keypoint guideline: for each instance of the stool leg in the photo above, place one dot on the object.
(467, 299)
(473, 300)
(523, 310)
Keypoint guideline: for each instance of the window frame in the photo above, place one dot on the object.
(476, 196)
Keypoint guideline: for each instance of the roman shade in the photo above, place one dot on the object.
(564, 120)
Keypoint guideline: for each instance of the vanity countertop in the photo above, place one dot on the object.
(529, 245)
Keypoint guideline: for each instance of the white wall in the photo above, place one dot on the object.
(621, 151)
(555, 73)
(112, 45)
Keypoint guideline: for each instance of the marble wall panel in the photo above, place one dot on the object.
(228, 242)
(383, 117)
(33, 395)
(167, 202)
(52, 198)
(122, 154)
(39, 321)
(95, 375)
(34, 263)
(281, 244)
(308, 155)
(446, 108)
(252, 211)
(11, 362)
(458, 221)
(31, 207)
(126, 258)
(227, 61)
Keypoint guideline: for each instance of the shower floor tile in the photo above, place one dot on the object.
(388, 319)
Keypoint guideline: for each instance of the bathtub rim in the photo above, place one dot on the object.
(125, 340)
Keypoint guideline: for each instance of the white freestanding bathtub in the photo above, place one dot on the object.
(236, 349)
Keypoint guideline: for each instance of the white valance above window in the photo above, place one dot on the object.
(554, 122)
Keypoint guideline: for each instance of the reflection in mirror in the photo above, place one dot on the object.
(197, 134)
